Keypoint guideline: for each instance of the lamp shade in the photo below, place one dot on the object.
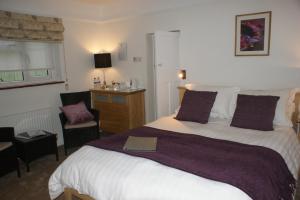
(102, 60)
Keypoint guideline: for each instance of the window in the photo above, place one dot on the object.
(24, 63)
(11, 76)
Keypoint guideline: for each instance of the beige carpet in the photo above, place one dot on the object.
(34, 185)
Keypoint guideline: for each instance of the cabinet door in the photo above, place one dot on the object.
(113, 117)
(136, 105)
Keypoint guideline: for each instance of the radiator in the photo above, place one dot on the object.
(32, 120)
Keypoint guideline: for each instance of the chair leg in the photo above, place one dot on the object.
(66, 152)
(18, 168)
(18, 172)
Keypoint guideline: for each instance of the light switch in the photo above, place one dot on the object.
(137, 59)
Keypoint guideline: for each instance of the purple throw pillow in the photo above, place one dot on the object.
(77, 113)
(255, 112)
(196, 106)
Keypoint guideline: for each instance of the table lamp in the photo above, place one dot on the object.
(102, 60)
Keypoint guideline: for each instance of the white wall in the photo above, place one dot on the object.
(207, 44)
(206, 50)
(80, 38)
(17, 101)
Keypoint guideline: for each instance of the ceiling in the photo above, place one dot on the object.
(95, 10)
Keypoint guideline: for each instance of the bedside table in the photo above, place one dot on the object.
(36, 147)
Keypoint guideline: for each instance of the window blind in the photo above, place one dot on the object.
(19, 55)
(39, 55)
(10, 56)
(19, 26)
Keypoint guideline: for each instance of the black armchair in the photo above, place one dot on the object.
(79, 134)
(8, 154)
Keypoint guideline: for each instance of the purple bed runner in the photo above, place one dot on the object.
(258, 171)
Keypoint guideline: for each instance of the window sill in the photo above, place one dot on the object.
(30, 85)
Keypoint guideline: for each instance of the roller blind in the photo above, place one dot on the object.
(39, 55)
(10, 56)
(18, 55)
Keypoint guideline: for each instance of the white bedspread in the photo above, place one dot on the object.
(108, 175)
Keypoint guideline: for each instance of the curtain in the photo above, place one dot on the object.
(18, 26)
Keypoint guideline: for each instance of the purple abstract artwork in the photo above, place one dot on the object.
(252, 35)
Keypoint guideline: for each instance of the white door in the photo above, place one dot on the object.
(166, 66)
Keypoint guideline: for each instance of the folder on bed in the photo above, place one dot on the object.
(145, 144)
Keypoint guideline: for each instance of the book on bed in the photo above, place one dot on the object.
(140, 144)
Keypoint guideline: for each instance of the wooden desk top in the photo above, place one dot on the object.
(121, 91)
(36, 138)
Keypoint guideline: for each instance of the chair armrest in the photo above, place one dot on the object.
(63, 119)
(95, 113)
(7, 134)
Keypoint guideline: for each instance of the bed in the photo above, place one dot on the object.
(95, 173)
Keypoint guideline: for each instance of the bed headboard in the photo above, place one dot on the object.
(295, 116)
(181, 93)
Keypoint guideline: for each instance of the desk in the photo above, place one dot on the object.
(120, 110)
(36, 147)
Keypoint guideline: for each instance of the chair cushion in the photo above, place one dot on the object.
(81, 125)
(5, 145)
(77, 113)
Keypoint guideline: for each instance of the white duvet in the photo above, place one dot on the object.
(108, 175)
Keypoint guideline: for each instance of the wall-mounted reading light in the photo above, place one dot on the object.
(182, 74)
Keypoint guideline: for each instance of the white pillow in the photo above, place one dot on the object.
(225, 102)
(285, 106)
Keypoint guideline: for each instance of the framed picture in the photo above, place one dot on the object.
(252, 34)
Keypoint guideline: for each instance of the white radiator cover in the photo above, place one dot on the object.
(31, 120)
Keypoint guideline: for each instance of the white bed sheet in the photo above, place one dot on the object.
(109, 175)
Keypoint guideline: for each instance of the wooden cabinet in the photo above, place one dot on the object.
(119, 110)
